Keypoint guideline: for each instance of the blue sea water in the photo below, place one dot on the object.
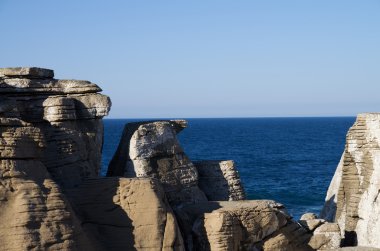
(290, 160)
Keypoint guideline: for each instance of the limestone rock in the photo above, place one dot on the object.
(34, 213)
(326, 237)
(127, 214)
(49, 143)
(26, 72)
(46, 86)
(64, 132)
(151, 149)
(219, 180)
(352, 199)
(237, 225)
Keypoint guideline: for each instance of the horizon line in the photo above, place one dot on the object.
(231, 117)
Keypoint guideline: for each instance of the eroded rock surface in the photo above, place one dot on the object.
(240, 225)
(223, 176)
(151, 149)
(127, 214)
(353, 196)
(51, 136)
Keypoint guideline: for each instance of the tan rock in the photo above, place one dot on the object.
(219, 180)
(326, 237)
(238, 225)
(127, 214)
(34, 213)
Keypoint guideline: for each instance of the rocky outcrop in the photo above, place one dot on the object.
(151, 149)
(353, 196)
(50, 140)
(55, 122)
(326, 236)
(127, 214)
(34, 213)
(223, 176)
(240, 225)
(52, 198)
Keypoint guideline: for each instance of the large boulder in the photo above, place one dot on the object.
(151, 149)
(240, 225)
(353, 196)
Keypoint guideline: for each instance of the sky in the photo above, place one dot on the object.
(205, 58)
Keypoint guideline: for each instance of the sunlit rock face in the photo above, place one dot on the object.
(51, 136)
(353, 196)
(151, 149)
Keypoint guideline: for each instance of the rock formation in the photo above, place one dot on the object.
(221, 220)
(51, 137)
(223, 176)
(51, 197)
(155, 198)
(353, 196)
(151, 149)
(127, 214)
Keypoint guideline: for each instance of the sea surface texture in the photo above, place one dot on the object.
(290, 160)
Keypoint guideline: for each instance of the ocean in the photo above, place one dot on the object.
(289, 160)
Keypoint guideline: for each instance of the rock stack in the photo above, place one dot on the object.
(51, 138)
(353, 197)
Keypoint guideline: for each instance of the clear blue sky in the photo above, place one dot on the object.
(206, 58)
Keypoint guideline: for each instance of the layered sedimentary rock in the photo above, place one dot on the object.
(56, 122)
(50, 140)
(34, 213)
(151, 149)
(127, 214)
(326, 236)
(353, 196)
(240, 225)
(223, 176)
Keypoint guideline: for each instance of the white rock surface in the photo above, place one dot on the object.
(353, 196)
(151, 149)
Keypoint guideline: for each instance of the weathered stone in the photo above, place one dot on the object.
(311, 225)
(309, 216)
(34, 213)
(352, 199)
(235, 225)
(290, 237)
(151, 149)
(127, 214)
(26, 72)
(326, 237)
(219, 180)
(49, 143)
(48, 86)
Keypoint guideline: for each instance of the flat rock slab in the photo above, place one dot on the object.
(28, 86)
(26, 72)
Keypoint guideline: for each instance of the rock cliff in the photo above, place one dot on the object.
(51, 138)
(353, 196)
